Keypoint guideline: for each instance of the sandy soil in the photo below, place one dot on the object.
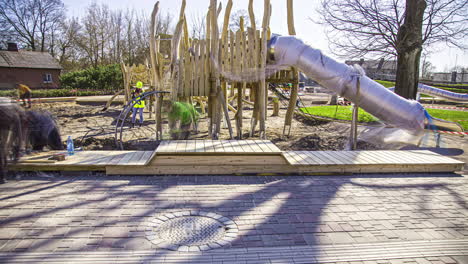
(92, 128)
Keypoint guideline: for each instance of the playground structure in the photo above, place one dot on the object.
(238, 66)
(212, 71)
(229, 67)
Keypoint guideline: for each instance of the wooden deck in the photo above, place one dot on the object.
(218, 147)
(84, 160)
(189, 157)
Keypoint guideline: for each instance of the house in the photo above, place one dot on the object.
(377, 69)
(38, 70)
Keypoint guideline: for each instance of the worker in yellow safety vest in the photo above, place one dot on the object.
(138, 106)
(24, 92)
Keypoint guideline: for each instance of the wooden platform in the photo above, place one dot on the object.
(190, 157)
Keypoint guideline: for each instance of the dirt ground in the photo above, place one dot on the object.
(93, 129)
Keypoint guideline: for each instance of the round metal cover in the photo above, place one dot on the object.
(191, 231)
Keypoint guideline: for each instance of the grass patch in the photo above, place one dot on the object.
(345, 113)
(450, 115)
(338, 112)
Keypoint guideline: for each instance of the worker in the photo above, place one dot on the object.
(181, 116)
(138, 106)
(24, 92)
(139, 85)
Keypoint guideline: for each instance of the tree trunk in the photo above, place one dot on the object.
(409, 47)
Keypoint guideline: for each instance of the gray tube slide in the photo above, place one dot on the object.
(441, 93)
(342, 79)
(451, 96)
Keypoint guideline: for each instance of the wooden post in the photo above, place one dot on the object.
(295, 86)
(262, 91)
(275, 106)
(158, 113)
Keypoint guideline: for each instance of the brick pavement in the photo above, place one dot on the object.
(279, 218)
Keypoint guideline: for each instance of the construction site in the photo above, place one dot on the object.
(231, 109)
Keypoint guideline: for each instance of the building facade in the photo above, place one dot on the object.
(38, 70)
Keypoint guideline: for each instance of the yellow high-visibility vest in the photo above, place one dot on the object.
(140, 104)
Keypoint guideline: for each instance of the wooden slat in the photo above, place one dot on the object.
(106, 157)
(144, 158)
(254, 146)
(126, 158)
(335, 159)
(218, 146)
(199, 146)
(325, 158)
(162, 146)
(209, 147)
(197, 70)
(244, 144)
(116, 159)
(227, 146)
(136, 158)
(190, 146)
(317, 158)
(236, 146)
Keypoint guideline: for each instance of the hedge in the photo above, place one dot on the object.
(56, 93)
(105, 77)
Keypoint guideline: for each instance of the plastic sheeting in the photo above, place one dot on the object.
(343, 79)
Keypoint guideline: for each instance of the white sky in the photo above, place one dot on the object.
(307, 30)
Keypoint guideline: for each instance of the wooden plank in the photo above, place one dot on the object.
(433, 156)
(199, 146)
(144, 159)
(340, 156)
(387, 158)
(236, 146)
(395, 157)
(218, 146)
(333, 158)
(209, 147)
(116, 158)
(362, 158)
(254, 145)
(187, 160)
(303, 158)
(190, 146)
(227, 146)
(271, 146)
(126, 158)
(89, 159)
(317, 158)
(244, 144)
(204, 68)
(106, 157)
(265, 145)
(292, 157)
(136, 158)
(162, 146)
(325, 158)
(197, 70)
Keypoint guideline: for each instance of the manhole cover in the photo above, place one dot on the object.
(191, 231)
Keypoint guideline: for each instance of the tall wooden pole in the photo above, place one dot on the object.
(295, 85)
(262, 91)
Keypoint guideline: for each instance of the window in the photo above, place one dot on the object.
(47, 78)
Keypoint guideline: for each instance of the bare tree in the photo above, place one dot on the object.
(31, 22)
(358, 28)
(198, 26)
(234, 23)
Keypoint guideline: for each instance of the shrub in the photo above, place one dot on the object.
(56, 93)
(106, 77)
